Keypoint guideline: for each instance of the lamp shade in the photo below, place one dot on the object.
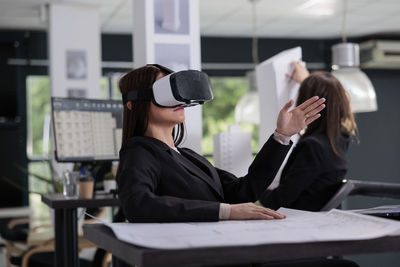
(345, 65)
(248, 107)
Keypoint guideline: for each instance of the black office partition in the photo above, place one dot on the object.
(12, 126)
(376, 156)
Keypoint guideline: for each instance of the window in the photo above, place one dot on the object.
(113, 89)
(38, 133)
(38, 114)
(219, 113)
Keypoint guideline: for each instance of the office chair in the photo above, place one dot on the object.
(41, 255)
(14, 236)
(15, 233)
(363, 188)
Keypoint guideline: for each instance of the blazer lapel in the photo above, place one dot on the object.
(186, 160)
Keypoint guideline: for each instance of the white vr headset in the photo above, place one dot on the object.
(183, 88)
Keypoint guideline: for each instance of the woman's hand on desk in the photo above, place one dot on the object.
(250, 211)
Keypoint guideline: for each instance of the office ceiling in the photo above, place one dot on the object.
(282, 18)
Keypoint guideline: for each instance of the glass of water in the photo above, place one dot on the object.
(70, 184)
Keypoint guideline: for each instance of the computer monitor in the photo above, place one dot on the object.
(86, 129)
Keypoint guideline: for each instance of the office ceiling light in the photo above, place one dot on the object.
(345, 67)
(317, 8)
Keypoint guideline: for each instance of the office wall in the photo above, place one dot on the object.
(377, 156)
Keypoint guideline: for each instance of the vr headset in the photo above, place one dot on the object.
(183, 88)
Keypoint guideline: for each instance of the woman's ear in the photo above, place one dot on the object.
(129, 105)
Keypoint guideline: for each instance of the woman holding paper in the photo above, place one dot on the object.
(317, 165)
(161, 182)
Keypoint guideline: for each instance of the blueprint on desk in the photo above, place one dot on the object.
(299, 226)
(390, 211)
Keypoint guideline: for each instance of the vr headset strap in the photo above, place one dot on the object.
(138, 95)
(162, 68)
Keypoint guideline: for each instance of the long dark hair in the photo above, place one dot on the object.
(336, 119)
(136, 120)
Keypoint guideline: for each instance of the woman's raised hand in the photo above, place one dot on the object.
(250, 211)
(292, 122)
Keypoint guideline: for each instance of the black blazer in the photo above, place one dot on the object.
(158, 184)
(312, 175)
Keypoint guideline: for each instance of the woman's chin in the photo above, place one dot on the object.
(181, 120)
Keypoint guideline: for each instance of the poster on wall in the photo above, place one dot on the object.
(76, 64)
(171, 16)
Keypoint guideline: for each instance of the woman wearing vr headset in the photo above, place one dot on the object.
(317, 165)
(161, 182)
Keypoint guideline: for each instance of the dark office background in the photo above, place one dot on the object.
(376, 157)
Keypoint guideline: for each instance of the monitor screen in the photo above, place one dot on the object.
(86, 129)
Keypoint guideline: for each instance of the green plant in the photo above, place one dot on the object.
(54, 183)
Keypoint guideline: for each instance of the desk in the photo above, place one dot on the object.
(103, 237)
(66, 228)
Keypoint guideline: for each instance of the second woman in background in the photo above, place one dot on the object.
(317, 165)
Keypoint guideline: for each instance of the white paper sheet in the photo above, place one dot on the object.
(275, 90)
(299, 226)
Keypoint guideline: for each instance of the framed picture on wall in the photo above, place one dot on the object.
(76, 64)
(171, 16)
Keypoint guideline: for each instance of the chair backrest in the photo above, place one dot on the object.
(363, 188)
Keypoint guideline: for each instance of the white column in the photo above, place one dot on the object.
(74, 54)
(74, 50)
(167, 32)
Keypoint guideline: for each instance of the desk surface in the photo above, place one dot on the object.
(58, 201)
(103, 236)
